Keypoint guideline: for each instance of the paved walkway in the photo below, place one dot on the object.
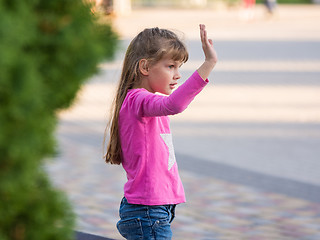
(247, 148)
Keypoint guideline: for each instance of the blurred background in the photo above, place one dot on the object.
(247, 147)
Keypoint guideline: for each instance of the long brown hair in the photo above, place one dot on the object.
(151, 44)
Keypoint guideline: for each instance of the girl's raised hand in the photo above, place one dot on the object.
(207, 45)
(211, 57)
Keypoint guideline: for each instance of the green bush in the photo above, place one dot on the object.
(48, 49)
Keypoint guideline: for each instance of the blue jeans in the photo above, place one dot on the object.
(145, 222)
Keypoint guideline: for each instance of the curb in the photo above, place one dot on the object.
(87, 236)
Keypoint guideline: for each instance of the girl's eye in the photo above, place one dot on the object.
(171, 66)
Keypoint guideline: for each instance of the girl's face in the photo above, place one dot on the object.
(162, 76)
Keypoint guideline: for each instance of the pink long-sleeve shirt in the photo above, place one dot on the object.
(146, 142)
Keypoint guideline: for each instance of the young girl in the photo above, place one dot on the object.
(140, 136)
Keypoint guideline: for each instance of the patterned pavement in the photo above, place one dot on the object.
(229, 203)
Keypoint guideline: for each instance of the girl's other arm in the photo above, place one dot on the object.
(211, 57)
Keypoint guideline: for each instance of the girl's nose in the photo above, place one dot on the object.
(177, 75)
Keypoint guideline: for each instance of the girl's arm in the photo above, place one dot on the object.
(211, 57)
(146, 104)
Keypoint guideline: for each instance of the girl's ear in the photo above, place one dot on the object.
(143, 67)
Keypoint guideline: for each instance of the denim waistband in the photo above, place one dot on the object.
(170, 207)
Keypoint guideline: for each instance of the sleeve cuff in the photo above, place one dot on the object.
(196, 75)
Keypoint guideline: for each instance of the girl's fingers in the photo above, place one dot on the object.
(203, 33)
(204, 36)
(207, 44)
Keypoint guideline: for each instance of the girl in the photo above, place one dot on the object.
(140, 137)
